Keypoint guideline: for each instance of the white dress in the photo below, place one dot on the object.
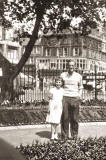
(55, 105)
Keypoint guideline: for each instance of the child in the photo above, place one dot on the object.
(55, 107)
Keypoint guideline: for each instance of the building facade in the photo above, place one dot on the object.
(8, 47)
(88, 51)
(51, 53)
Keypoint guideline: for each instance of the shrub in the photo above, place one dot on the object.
(80, 149)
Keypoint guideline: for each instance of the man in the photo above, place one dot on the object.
(71, 100)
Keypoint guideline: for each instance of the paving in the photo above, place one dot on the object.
(29, 134)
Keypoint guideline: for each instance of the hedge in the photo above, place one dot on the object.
(80, 149)
(12, 114)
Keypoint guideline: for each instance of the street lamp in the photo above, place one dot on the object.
(95, 73)
(95, 69)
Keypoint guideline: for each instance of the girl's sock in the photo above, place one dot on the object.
(56, 136)
(53, 136)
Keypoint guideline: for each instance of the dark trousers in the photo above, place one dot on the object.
(70, 115)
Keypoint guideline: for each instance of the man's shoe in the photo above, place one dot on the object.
(64, 138)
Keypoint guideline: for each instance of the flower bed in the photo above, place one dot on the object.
(80, 149)
(35, 113)
(13, 117)
(93, 102)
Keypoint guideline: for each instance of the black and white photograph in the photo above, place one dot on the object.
(52, 79)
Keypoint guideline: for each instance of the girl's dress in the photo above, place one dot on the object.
(55, 105)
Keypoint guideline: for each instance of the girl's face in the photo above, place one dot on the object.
(58, 83)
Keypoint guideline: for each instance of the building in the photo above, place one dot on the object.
(10, 54)
(51, 53)
(88, 51)
(8, 47)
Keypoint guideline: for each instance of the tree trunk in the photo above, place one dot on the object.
(28, 48)
(23, 59)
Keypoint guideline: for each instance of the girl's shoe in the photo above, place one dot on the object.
(52, 137)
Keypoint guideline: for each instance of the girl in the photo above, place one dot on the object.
(55, 107)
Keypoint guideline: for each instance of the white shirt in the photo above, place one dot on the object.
(72, 84)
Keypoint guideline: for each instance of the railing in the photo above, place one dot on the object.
(32, 84)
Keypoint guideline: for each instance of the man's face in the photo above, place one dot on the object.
(71, 66)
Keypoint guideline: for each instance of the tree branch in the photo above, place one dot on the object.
(29, 47)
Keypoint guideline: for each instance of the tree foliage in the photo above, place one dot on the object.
(3, 20)
(54, 15)
(57, 14)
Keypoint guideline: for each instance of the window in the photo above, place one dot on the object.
(77, 63)
(1, 72)
(99, 56)
(31, 61)
(12, 55)
(12, 52)
(37, 50)
(65, 52)
(84, 53)
(1, 48)
(84, 43)
(48, 52)
(76, 52)
(83, 64)
(34, 50)
(53, 65)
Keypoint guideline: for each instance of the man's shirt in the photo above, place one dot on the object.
(72, 84)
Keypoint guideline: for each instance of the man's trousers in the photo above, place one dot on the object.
(70, 115)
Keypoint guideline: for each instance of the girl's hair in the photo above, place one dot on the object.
(58, 79)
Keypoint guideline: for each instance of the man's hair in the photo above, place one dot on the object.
(71, 60)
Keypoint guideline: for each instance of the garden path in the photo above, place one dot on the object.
(29, 134)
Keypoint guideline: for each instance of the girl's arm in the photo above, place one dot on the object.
(50, 94)
(50, 97)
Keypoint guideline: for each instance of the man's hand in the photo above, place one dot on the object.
(50, 96)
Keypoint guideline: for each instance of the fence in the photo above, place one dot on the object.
(33, 85)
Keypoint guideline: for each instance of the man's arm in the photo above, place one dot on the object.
(80, 87)
(62, 75)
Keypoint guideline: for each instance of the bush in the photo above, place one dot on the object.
(13, 117)
(80, 149)
(93, 102)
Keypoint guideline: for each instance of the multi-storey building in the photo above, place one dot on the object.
(10, 52)
(10, 49)
(52, 51)
(88, 51)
